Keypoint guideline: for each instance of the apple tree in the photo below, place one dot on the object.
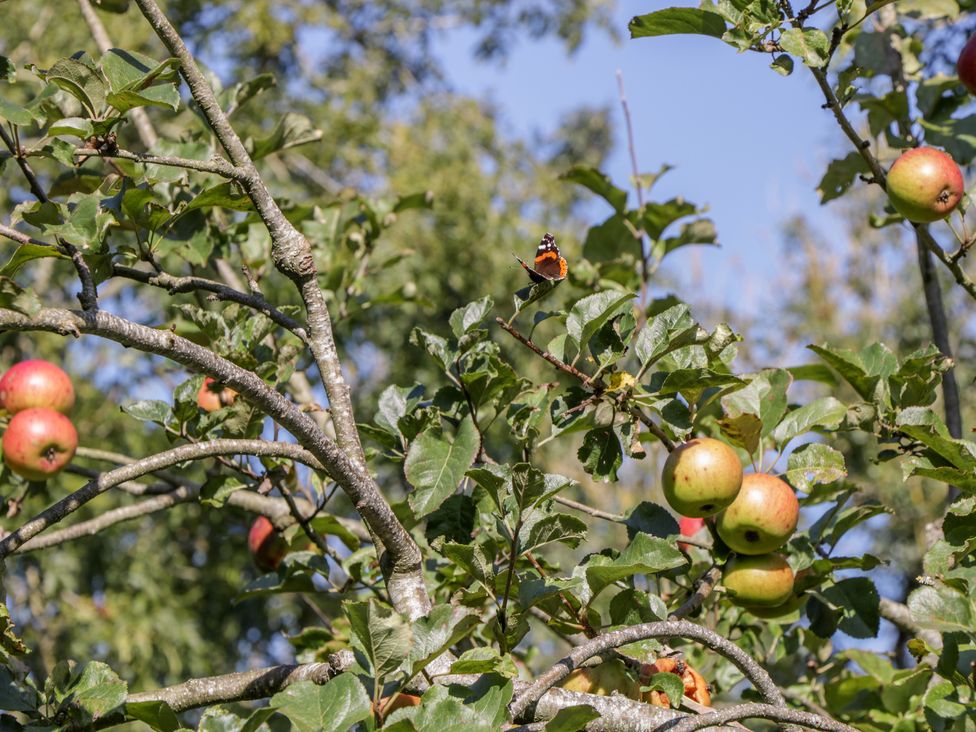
(463, 485)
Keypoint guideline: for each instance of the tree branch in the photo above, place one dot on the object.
(665, 629)
(756, 711)
(71, 503)
(703, 587)
(215, 166)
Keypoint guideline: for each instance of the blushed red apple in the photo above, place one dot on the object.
(689, 527)
(212, 396)
(701, 477)
(762, 518)
(38, 443)
(966, 65)
(762, 581)
(267, 546)
(36, 383)
(925, 185)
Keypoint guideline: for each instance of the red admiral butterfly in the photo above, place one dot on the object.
(549, 263)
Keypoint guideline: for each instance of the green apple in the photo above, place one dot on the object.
(762, 518)
(762, 581)
(925, 185)
(701, 477)
(603, 680)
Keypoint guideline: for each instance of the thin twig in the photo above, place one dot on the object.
(702, 588)
(215, 166)
(757, 711)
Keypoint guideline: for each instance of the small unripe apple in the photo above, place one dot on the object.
(267, 546)
(603, 680)
(38, 443)
(966, 65)
(761, 518)
(925, 185)
(689, 527)
(212, 396)
(762, 581)
(36, 383)
(701, 477)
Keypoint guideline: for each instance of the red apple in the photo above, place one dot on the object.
(689, 527)
(38, 443)
(267, 547)
(212, 396)
(36, 383)
(763, 581)
(761, 518)
(966, 65)
(701, 477)
(925, 185)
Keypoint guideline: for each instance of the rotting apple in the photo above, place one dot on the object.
(267, 546)
(212, 396)
(925, 185)
(38, 443)
(701, 477)
(603, 680)
(762, 518)
(36, 383)
(759, 581)
(696, 688)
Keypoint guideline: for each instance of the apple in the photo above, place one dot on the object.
(925, 185)
(212, 396)
(696, 688)
(267, 547)
(701, 477)
(762, 581)
(36, 383)
(761, 518)
(38, 443)
(603, 680)
(399, 702)
(966, 65)
(689, 527)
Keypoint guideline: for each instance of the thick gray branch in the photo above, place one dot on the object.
(756, 711)
(666, 629)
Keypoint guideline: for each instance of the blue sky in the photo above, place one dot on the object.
(744, 140)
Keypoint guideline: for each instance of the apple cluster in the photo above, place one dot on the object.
(755, 515)
(39, 440)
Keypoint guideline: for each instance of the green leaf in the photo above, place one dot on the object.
(149, 410)
(11, 644)
(644, 555)
(851, 605)
(226, 195)
(673, 21)
(435, 465)
(650, 518)
(666, 332)
(8, 70)
(157, 714)
(14, 297)
(379, 635)
(466, 318)
(840, 175)
(98, 690)
(814, 463)
(571, 719)
(73, 126)
(670, 684)
(942, 608)
(599, 183)
(591, 313)
(484, 660)
(550, 528)
(528, 295)
(333, 707)
(826, 412)
(756, 409)
(137, 80)
(292, 130)
(601, 453)
(867, 370)
(26, 253)
(396, 402)
(218, 489)
(811, 45)
(936, 700)
(443, 626)
(81, 80)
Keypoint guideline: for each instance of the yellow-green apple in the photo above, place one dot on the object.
(701, 477)
(38, 443)
(760, 581)
(267, 546)
(925, 185)
(761, 518)
(36, 383)
(966, 65)
(212, 396)
(603, 680)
